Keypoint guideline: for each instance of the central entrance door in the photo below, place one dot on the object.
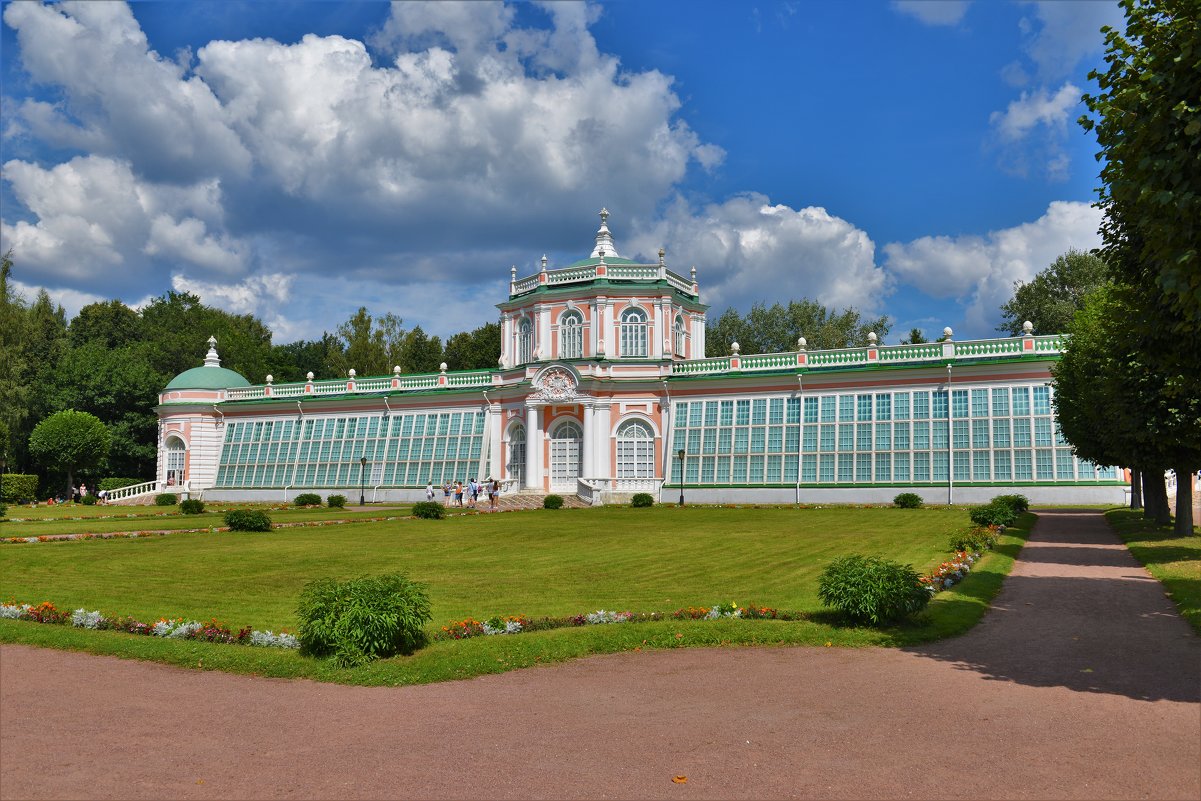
(565, 457)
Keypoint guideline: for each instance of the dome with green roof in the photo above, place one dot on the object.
(210, 376)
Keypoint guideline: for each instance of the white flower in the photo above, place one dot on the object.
(83, 619)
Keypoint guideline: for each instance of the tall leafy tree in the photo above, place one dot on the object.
(177, 325)
(368, 346)
(473, 350)
(916, 337)
(69, 441)
(775, 329)
(1050, 300)
(419, 352)
(295, 360)
(15, 387)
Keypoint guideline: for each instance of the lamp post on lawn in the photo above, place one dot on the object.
(362, 480)
(680, 454)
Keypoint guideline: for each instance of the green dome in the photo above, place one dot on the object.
(207, 378)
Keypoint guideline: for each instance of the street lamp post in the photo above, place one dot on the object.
(680, 454)
(362, 480)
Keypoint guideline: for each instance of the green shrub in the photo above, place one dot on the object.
(117, 483)
(247, 520)
(192, 506)
(871, 590)
(19, 488)
(429, 510)
(552, 502)
(88, 500)
(362, 619)
(336, 501)
(974, 539)
(994, 514)
(3, 511)
(166, 499)
(307, 499)
(908, 500)
(642, 500)
(1018, 503)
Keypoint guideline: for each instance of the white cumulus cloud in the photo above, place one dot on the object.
(933, 12)
(980, 271)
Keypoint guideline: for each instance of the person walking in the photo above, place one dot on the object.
(492, 492)
(429, 490)
(446, 493)
(459, 493)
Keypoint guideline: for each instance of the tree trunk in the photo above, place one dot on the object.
(70, 483)
(1155, 497)
(1136, 489)
(1184, 502)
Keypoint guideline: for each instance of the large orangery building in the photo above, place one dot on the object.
(603, 390)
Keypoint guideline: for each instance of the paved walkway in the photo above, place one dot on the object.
(1082, 682)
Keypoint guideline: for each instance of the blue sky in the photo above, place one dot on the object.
(297, 160)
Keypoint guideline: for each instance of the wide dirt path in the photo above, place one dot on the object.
(1083, 682)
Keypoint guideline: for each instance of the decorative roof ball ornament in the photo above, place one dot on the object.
(396, 370)
(802, 343)
(1027, 328)
(351, 373)
(734, 348)
(947, 332)
(871, 337)
(270, 379)
(309, 375)
(442, 367)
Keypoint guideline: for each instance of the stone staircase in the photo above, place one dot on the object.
(532, 499)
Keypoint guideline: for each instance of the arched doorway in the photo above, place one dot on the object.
(515, 469)
(174, 463)
(565, 456)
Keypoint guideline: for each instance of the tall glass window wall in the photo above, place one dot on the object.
(402, 450)
(993, 435)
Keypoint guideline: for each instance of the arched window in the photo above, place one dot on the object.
(174, 461)
(571, 336)
(635, 450)
(525, 340)
(633, 333)
(516, 466)
(681, 337)
(565, 452)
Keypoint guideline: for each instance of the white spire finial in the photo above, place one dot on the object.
(544, 262)
(604, 239)
(211, 359)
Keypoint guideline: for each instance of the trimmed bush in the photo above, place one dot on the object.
(192, 506)
(118, 483)
(88, 500)
(307, 499)
(552, 502)
(336, 502)
(994, 514)
(429, 510)
(908, 500)
(642, 500)
(19, 488)
(1018, 503)
(975, 539)
(166, 499)
(247, 520)
(3, 511)
(871, 590)
(362, 619)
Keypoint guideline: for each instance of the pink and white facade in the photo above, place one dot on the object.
(602, 382)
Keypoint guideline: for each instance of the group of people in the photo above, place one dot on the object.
(466, 494)
(77, 494)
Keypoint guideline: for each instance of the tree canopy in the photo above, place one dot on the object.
(1052, 298)
(775, 329)
(70, 441)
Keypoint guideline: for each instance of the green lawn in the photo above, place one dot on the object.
(533, 563)
(110, 519)
(1175, 561)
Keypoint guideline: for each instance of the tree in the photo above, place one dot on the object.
(1050, 300)
(111, 324)
(473, 350)
(916, 337)
(295, 360)
(419, 353)
(1148, 124)
(177, 325)
(70, 441)
(15, 388)
(776, 329)
(369, 347)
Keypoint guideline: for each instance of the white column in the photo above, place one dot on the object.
(698, 336)
(533, 448)
(506, 338)
(496, 447)
(602, 422)
(589, 465)
(544, 349)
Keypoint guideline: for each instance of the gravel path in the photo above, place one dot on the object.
(1082, 682)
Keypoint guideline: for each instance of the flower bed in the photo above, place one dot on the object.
(132, 535)
(175, 628)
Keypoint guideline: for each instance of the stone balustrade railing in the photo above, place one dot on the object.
(616, 272)
(401, 383)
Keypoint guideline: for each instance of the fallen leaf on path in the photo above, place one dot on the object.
(680, 779)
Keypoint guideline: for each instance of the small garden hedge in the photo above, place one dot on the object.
(994, 514)
(362, 619)
(642, 500)
(307, 499)
(89, 500)
(1018, 503)
(429, 510)
(19, 488)
(552, 502)
(336, 502)
(166, 499)
(192, 506)
(908, 500)
(871, 590)
(247, 520)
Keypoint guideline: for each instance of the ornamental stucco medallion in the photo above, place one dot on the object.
(555, 384)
